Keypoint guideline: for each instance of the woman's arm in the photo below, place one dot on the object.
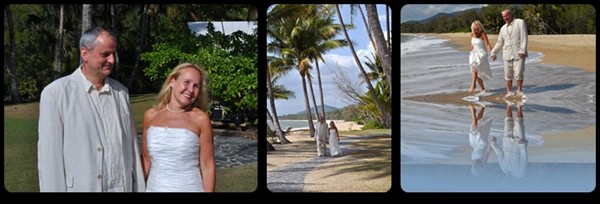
(207, 157)
(487, 42)
(146, 162)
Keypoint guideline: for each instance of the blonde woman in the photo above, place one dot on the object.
(177, 133)
(478, 58)
(334, 138)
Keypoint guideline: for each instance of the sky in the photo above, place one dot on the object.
(338, 60)
(423, 11)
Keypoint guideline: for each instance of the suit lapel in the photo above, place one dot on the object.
(84, 103)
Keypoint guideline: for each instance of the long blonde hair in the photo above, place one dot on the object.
(478, 24)
(164, 96)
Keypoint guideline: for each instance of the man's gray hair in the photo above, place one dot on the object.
(88, 38)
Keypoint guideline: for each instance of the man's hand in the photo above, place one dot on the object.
(522, 55)
(493, 57)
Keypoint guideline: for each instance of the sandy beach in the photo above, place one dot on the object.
(559, 115)
(577, 51)
(360, 169)
(342, 125)
(568, 50)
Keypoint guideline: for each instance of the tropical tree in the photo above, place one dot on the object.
(327, 29)
(382, 48)
(276, 68)
(87, 14)
(371, 90)
(59, 39)
(12, 64)
(293, 40)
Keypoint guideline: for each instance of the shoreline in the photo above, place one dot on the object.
(342, 125)
(568, 50)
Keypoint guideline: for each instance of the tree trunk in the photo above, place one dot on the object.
(320, 88)
(383, 50)
(389, 31)
(307, 104)
(140, 47)
(274, 118)
(269, 145)
(117, 68)
(86, 20)
(368, 28)
(364, 73)
(312, 93)
(15, 97)
(59, 41)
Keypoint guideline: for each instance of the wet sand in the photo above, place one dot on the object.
(577, 51)
(568, 50)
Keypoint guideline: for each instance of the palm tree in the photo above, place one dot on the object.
(293, 40)
(312, 93)
(371, 90)
(327, 29)
(382, 45)
(276, 68)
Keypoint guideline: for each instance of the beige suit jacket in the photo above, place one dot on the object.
(513, 41)
(69, 147)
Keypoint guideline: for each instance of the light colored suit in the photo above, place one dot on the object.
(69, 146)
(513, 41)
(321, 137)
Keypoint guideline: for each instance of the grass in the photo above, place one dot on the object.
(20, 150)
(237, 179)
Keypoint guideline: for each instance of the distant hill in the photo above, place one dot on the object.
(312, 109)
(451, 15)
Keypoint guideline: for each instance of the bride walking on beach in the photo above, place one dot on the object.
(478, 58)
(334, 138)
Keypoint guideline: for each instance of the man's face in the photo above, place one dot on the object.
(101, 58)
(507, 17)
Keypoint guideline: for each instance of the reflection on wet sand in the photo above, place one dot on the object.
(509, 170)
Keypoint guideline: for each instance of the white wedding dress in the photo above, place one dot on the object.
(478, 58)
(174, 156)
(334, 147)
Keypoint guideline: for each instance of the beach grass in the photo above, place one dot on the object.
(367, 132)
(20, 150)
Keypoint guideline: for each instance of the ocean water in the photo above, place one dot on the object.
(435, 135)
(295, 124)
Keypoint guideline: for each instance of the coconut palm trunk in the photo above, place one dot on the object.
(274, 118)
(312, 94)
(384, 113)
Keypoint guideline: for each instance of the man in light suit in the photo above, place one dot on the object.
(513, 41)
(87, 139)
(321, 137)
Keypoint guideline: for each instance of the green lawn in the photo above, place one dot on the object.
(20, 150)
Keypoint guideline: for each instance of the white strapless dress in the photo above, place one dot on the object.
(478, 58)
(334, 147)
(174, 156)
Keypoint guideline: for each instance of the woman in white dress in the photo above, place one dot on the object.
(478, 58)
(177, 133)
(479, 140)
(334, 138)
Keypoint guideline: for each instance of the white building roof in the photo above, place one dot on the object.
(226, 27)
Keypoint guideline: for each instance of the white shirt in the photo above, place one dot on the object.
(113, 175)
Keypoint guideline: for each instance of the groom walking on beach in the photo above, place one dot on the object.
(321, 137)
(513, 40)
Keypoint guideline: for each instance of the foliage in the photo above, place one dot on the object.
(229, 60)
(540, 19)
(372, 124)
